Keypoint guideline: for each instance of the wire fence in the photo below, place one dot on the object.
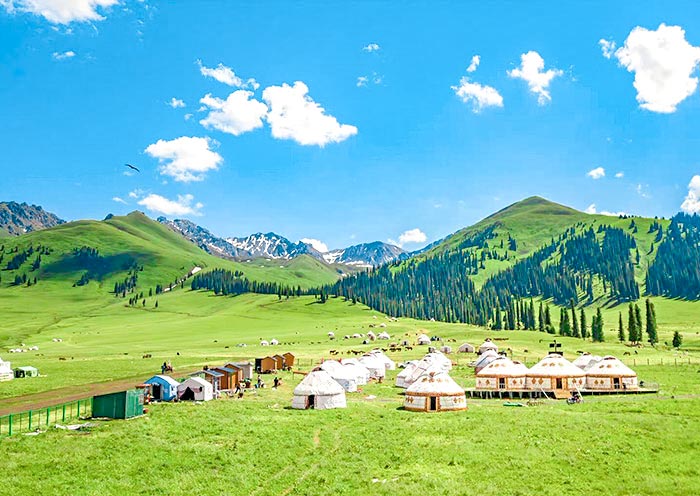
(42, 418)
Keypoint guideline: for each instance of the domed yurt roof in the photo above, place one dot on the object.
(488, 345)
(586, 360)
(435, 384)
(610, 366)
(485, 359)
(555, 365)
(504, 367)
(318, 383)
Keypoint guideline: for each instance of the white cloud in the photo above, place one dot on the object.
(532, 71)
(643, 191)
(372, 47)
(236, 115)
(607, 47)
(182, 206)
(316, 244)
(136, 193)
(691, 204)
(176, 103)
(61, 11)
(480, 96)
(186, 158)
(63, 55)
(119, 200)
(593, 210)
(596, 173)
(295, 115)
(188, 116)
(663, 63)
(225, 75)
(412, 236)
(362, 81)
(474, 63)
(620, 175)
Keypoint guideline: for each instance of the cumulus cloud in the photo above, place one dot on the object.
(295, 115)
(185, 159)
(176, 103)
(316, 244)
(474, 63)
(593, 210)
(412, 236)
(607, 47)
(363, 81)
(225, 75)
(480, 96)
(63, 55)
(118, 200)
(620, 175)
(182, 206)
(61, 11)
(663, 63)
(532, 71)
(691, 204)
(135, 193)
(236, 115)
(596, 173)
(372, 47)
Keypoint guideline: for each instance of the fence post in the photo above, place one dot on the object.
(634, 362)
(64, 413)
(30, 420)
(78, 408)
(48, 415)
(647, 361)
(9, 425)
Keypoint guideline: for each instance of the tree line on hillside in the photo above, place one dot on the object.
(227, 283)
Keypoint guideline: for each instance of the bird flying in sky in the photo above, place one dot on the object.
(132, 167)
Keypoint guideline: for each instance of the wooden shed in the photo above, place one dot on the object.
(229, 377)
(265, 365)
(212, 377)
(288, 359)
(279, 362)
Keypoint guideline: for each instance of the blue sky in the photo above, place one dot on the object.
(89, 86)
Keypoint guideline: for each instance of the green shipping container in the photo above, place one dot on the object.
(121, 405)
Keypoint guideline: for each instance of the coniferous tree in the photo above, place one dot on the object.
(638, 322)
(652, 335)
(677, 339)
(564, 323)
(621, 330)
(631, 324)
(575, 331)
(597, 327)
(498, 321)
(584, 325)
(541, 321)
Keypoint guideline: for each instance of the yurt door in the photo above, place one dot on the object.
(616, 382)
(560, 383)
(432, 404)
(501, 383)
(311, 402)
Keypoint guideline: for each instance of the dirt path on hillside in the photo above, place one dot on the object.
(67, 394)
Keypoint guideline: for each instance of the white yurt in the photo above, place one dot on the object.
(503, 374)
(331, 334)
(6, 373)
(430, 363)
(435, 392)
(554, 372)
(356, 336)
(610, 374)
(484, 359)
(384, 335)
(318, 391)
(361, 373)
(341, 374)
(466, 348)
(423, 339)
(586, 360)
(195, 389)
(439, 359)
(264, 343)
(274, 342)
(375, 365)
(488, 345)
(389, 364)
(402, 376)
(446, 349)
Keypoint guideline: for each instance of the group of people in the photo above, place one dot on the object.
(166, 367)
(238, 392)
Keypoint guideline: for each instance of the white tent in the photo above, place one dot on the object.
(361, 373)
(554, 372)
(484, 359)
(488, 345)
(195, 388)
(6, 373)
(435, 392)
(384, 335)
(423, 339)
(274, 342)
(264, 343)
(466, 348)
(503, 374)
(375, 365)
(341, 374)
(389, 364)
(446, 349)
(586, 360)
(405, 374)
(430, 363)
(319, 391)
(610, 374)
(372, 336)
(331, 334)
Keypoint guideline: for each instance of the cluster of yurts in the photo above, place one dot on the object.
(429, 387)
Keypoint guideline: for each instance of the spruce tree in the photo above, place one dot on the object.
(652, 335)
(638, 321)
(597, 327)
(677, 339)
(540, 318)
(584, 330)
(498, 322)
(631, 324)
(575, 331)
(621, 330)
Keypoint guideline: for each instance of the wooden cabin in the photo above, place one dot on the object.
(265, 365)
(288, 359)
(279, 362)
(229, 377)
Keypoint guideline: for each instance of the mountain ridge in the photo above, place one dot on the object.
(20, 218)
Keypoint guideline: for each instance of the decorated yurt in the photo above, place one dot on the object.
(484, 359)
(375, 365)
(503, 374)
(435, 392)
(586, 360)
(195, 389)
(610, 374)
(361, 373)
(466, 348)
(423, 339)
(318, 391)
(554, 372)
(341, 374)
(6, 372)
(488, 345)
